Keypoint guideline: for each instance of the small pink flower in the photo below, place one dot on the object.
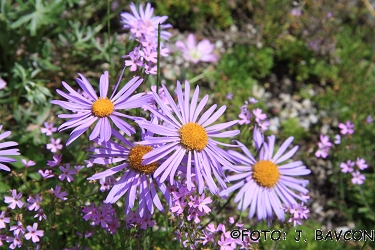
(54, 145)
(193, 52)
(66, 173)
(46, 174)
(58, 194)
(49, 129)
(27, 163)
(34, 233)
(358, 178)
(3, 220)
(14, 200)
(347, 167)
(347, 128)
(361, 163)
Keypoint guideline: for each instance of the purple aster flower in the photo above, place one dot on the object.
(54, 145)
(361, 163)
(33, 233)
(49, 129)
(193, 52)
(190, 138)
(347, 128)
(67, 173)
(358, 178)
(264, 184)
(143, 23)
(3, 220)
(13, 151)
(58, 194)
(56, 160)
(27, 163)
(136, 182)
(14, 200)
(100, 109)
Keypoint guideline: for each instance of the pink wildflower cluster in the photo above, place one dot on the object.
(348, 167)
(19, 233)
(192, 206)
(144, 28)
(298, 212)
(246, 115)
(133, 219)
(215, 238)
(105, 216)
(323, 147)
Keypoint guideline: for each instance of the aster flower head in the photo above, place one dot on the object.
(99, 109)
(12, 151)
(144, 23)
(136, 182)
(193, 52)
(265, 183)
(187, 139)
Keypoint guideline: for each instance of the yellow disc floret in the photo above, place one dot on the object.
(135, 159)
(102, 107)
(266, 173)
(193, 136)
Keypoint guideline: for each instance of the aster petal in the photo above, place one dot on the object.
(200, 107)
(224, 134)
(75, 135)
(171, 102)
(206, 114)
(122, 125)
(76, 99)
(187, 99)
(9, 152)
(74, 93)
(132, 84)
(290, 165)
(221, 126)
(158, 153)
(8, 144)
(5, 134)
(188, 176)
(164, 165)
(108, 172)
(155, 197)
(158, 129)
(215, 116)
(86, 86)
(287, 155)
(4, 167)
(282, 148)
(103, 84)
(194, 102)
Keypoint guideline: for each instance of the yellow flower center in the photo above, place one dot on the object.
(193, 136)
(102, 107)
(135, 159)
(266, 173)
